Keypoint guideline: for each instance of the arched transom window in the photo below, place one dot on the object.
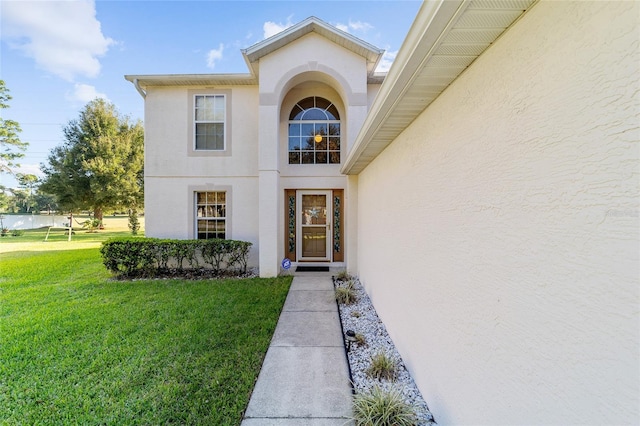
(314, 132)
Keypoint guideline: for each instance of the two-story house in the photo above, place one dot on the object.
(257, 156)
(485, 191)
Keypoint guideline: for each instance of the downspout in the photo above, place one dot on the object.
(139, 89)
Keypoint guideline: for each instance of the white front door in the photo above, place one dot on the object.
(314, 225)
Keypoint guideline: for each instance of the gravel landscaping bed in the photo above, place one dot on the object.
(361, 317)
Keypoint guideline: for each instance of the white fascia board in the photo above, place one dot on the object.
(312, 24)
(432, 21)
(180, 79)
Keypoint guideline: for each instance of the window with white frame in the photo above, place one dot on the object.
(314, 132)
(211, 215)
(209, 122)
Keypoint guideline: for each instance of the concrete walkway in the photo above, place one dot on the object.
(304, 378)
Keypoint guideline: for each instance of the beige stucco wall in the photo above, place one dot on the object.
(308, 66)
(169, 207)
(255, 169)
(172, 174)
(498, 235)
(168, 126)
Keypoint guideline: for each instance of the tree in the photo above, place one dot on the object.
(100, 166)
(20, 201)
(9, 140)
(4, 200)
(45, 203)
(27, 182)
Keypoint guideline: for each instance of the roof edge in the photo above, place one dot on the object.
(167, 79)
(432, 19)
(312, 24)
(397, 104)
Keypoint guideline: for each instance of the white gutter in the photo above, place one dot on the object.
(139, 89)
(398, 102)
(424, 35)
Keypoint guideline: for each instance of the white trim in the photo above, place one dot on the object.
(196, 218)
(372, 54)
(327, 226)
(224, 121)
(432, 19)
(192, 200)
(228, 123)
(160, 80)
(396, 105)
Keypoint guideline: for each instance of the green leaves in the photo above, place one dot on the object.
(101, 164)
(9, 139)
(135, 257)
(380, 407)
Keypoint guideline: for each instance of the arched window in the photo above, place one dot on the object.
(314, 132)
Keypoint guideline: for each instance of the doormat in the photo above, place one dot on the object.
(312, 269)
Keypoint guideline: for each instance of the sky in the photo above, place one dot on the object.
(56, 56)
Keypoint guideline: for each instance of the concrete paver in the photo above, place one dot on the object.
(304, 379)
(295, 422)
(310, 301)
(308, 329)
(301, 382)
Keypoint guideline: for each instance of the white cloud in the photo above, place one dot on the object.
(63, 37)
(360, 26)
(214, 55)
(386, 61)
(85, 93)
(30, 169)
(355, 27)
(271, 28)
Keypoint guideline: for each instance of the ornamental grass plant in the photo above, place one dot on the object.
(345, 295)
(345, 292)
(343, 276)
(382, 367)
(379, 407)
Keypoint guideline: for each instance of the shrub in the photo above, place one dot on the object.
(382, 408)
(16, 233)
(239, 254)
(4, 232)
(181, 250)
(91, 225)
(134, 257)
(214, 253)
(133, 222)
(382, 367)
(129, 256)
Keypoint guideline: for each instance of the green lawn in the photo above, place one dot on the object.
(79, 348)
(58, 239)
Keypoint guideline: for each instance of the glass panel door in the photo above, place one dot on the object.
(314, 229)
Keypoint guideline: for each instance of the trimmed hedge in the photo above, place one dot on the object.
(149, 257)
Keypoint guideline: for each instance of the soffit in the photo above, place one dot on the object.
(145, 81)
(312, 24)
(444, 40)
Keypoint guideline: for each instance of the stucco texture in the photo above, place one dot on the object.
(498, 235)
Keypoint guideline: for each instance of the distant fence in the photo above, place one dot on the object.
(28, 221)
